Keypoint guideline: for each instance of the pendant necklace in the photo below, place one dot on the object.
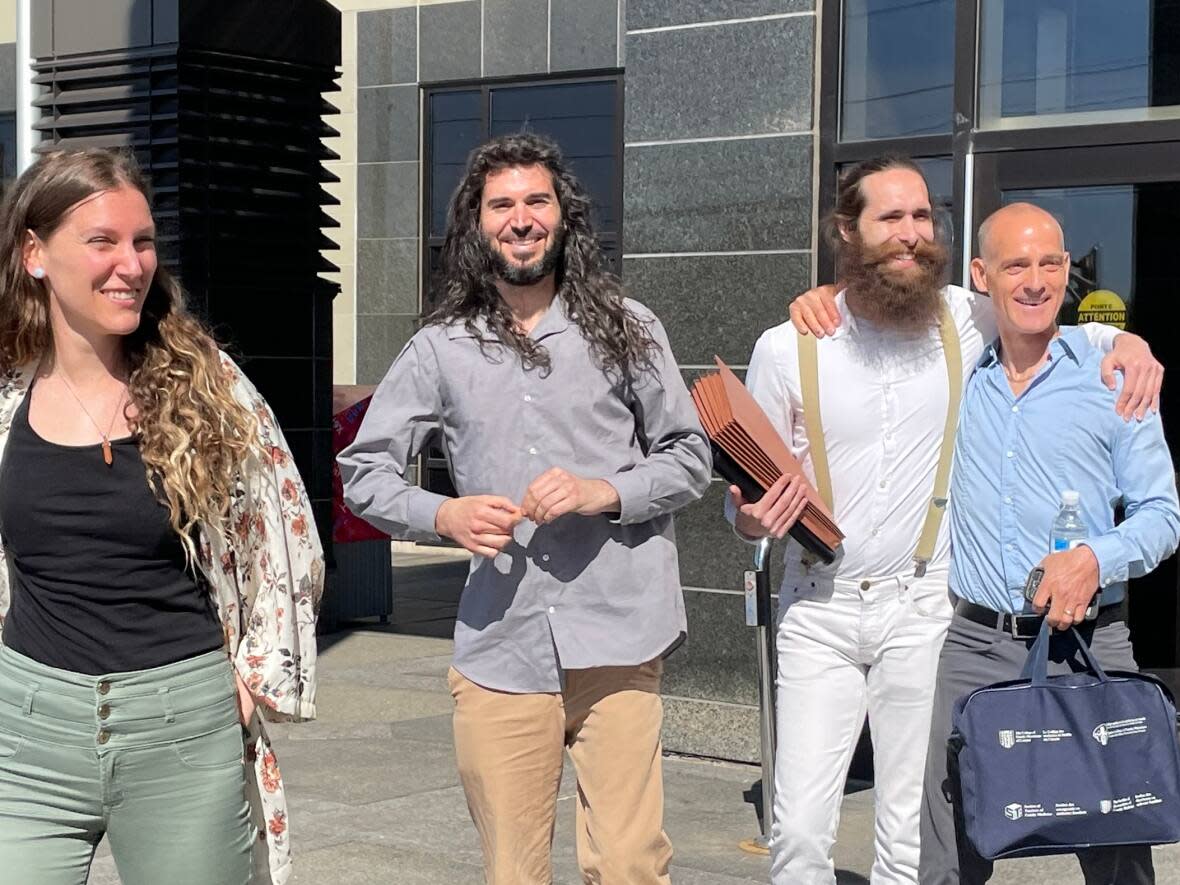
(108, 456)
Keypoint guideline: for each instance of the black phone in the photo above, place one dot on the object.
(1037, 574)
(1033, 582)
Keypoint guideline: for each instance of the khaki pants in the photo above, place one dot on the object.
(509, 749)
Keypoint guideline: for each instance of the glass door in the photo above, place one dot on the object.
(1119, 207)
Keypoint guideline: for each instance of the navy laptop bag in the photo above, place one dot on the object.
(1051, 764)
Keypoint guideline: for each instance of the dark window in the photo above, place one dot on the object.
(1052, 60)
(898, 60)
(7, 148)
(456, 126)
(583, 115)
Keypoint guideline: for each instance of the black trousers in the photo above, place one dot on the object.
(974, 656)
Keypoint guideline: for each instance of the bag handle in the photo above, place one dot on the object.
(1036, 666)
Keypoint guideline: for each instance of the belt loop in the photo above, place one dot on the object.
(28, 706)
(169, 715)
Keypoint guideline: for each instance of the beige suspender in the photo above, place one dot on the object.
(809, 383)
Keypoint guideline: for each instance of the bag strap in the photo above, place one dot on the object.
(936, 509)
(809, 384)
(813, 423)
(1036, 666)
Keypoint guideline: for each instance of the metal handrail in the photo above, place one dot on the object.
(759, 615)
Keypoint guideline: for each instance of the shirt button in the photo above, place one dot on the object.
(104, 687)
(552, 610)
(104, 711)
(103, 736)
(544, 557)
(532, 451)
(1007, 499)
(881, 484)
(865, 585)
(1016, 408)
(1011, 454)
(528, 398)
(874, 533)
(1010, 547)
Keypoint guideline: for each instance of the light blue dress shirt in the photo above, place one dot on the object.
(1014, 455)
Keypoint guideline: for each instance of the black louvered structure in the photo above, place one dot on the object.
(222, 103)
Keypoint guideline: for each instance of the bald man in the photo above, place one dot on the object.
(862, 635)
(1036, 421)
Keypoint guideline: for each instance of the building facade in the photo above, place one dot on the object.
(711, 133)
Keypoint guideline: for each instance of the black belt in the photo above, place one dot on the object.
(1026, 626)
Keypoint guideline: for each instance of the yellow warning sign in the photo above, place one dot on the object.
(1103, 306)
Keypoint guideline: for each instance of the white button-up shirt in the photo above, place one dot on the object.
(883, 400)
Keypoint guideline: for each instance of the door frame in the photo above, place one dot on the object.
(997, 171)
(1081, 166)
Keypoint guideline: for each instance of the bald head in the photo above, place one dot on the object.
(1023, 265)
(1016, 221)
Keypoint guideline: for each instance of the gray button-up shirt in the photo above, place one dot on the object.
(582, 591)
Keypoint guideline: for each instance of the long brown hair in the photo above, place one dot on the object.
(593, 296)
(192, 433)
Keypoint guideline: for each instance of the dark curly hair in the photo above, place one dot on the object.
(466, 285)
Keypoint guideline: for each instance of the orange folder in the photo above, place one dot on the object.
(748, 452)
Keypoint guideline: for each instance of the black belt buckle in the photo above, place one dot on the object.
(1017, 622)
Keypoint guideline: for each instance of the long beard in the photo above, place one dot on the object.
(525, 274)
(903, 300)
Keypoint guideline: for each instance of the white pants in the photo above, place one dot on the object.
(845, 647)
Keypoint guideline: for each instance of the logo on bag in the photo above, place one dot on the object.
(1013, 737)
(1108, 731)
(1127, 803)
(1015, 811)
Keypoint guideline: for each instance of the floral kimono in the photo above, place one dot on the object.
(265, 569)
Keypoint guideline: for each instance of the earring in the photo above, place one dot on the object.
(38, 273)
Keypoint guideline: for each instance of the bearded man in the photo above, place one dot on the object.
(571, 440)
(870, 413)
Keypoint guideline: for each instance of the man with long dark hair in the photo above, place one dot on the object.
(571, 440)
(871, 412)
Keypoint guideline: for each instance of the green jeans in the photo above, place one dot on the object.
(152, 759)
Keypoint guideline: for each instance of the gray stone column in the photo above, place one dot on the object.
(717, 234)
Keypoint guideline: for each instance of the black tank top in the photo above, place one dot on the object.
(97, 575)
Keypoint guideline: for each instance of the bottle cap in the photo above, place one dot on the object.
(1070, 498)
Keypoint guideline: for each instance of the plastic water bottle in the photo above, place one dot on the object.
(1068, 528)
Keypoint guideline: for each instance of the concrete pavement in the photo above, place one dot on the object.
(375, 796)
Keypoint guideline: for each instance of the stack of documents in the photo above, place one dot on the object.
(748, 452)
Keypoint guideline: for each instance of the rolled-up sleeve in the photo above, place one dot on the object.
(677, 465)
(1150, 532)
(404, 413)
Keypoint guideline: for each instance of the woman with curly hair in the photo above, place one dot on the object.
(160, 568)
